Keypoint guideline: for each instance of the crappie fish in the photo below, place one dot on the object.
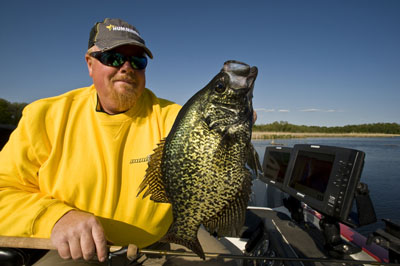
(200, 168)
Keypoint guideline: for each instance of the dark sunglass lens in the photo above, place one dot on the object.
(138, 62)
(117, 59)
(112, 59)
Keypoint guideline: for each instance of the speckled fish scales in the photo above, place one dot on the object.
(201, 168)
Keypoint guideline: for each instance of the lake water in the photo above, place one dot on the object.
(381, 170)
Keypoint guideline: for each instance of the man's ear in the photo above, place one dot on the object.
(89, 63)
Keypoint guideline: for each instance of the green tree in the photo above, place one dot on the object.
(284, 126)
(5, 114)
(10, 113)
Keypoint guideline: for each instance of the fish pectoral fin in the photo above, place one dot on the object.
(153, 178)
(253, 160)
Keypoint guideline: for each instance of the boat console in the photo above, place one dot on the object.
(275, 164)
(323, 200)
(326, 178)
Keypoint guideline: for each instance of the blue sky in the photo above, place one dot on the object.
(321, 62)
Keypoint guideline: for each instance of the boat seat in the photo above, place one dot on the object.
(16, 256)
(20, 256)
(5, 131)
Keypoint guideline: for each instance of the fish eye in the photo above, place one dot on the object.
(220, 87)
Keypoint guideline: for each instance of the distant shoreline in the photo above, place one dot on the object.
(260, 135)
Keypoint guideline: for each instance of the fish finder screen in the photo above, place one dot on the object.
(277, 164)
(311, 173)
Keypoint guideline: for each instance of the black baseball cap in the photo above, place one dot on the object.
(114, 32)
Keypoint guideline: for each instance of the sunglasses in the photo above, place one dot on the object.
(115, 59)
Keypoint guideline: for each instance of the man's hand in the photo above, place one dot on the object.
(254, 116)
(79, 235)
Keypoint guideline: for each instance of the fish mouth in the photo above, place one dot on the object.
(241, 79)
(251, 78)
(241, 74)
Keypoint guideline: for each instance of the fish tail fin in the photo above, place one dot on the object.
(192, 244)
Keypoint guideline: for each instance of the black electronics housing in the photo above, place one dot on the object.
(325, 178)
(276, 161)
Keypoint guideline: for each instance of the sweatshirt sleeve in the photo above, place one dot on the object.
(24, 209)
(169, 112)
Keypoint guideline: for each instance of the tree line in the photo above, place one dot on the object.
(284, 126)
(10, 113)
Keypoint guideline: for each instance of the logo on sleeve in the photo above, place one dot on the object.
(140, 160)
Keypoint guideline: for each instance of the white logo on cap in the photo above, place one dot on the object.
(119, 28)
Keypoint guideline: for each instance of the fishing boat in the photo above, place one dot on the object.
(306, 207)
(304, 210)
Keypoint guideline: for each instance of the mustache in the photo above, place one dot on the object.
(125, 78)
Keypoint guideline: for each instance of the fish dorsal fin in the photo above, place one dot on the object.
(229, 221)
(153, 179)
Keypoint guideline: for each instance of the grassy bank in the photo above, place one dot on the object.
(291, 135)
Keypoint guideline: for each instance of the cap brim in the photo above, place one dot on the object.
(117, 44)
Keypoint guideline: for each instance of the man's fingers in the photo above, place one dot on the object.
(88, 246)
(79, 235)
(100, 242)
(63, 250)
(75, 248)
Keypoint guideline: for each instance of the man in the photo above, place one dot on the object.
(71, 169)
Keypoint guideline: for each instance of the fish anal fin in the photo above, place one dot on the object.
(153, 181)
(192, 244)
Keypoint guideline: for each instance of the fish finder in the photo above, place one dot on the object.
(276, 160)
(325, 178)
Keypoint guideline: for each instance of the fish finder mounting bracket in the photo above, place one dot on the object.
(329, 225)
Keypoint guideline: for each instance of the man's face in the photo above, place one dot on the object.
(118, 88)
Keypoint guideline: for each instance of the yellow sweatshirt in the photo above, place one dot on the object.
(66, 155)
